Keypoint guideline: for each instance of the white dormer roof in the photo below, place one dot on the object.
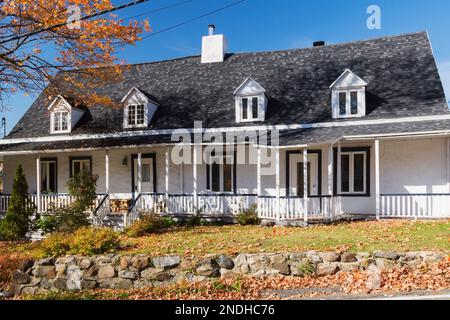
(59, 101)
(135, 92)
(347, 80)
(249, 88)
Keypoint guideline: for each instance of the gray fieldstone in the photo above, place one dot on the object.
(330, 256)
(42, 271)
(225, 262)
(168, 262)
(140, 263)
(26, 265)
(85, 263)
(74, 277)
(124, 263)
(124, 274)
(348, 257)
(390, 255)
(155, 274)
(106, 272)
(326, 269)
(20, 277)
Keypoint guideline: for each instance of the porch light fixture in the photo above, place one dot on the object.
(125, 161)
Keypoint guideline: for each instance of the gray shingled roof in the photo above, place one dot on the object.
(401, 72)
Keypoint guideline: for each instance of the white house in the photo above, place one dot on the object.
(363, 129)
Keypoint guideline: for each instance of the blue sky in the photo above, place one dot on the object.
(259, 25)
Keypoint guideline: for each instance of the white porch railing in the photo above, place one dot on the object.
(48, 201)
(415, 206)
(293, 208)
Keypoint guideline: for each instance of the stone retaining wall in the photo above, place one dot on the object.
(140, 271)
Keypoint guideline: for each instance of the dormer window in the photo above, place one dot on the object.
(63, 117)
(348, 95)
(251, 102)
(138, 109)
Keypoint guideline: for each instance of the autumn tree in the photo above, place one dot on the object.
(41, 40)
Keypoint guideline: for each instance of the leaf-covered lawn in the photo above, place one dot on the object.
(356, 236)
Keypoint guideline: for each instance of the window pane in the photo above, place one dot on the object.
(345, 173)
(57, 119)
(76, 167)
(215, 177)
(342, 103)
(131, 115)
(227, 179)
(354, 102)
(64, 121)
(146, 172)
(44, 176)
(358, 182)
(255, 108)
(140, 114)
(85, 165)
(300, 185)
(245, 108)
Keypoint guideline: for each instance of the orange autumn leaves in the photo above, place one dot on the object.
(27, 63)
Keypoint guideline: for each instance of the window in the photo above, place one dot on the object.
(136, 115)
(220, 176)
(300, 182)
(250, 112)
(61, 121)
(48, 176)
(348, 103)
(146, 172)
(78, 165)
(353, 172)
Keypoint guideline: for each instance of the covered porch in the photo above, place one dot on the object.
(310, 182)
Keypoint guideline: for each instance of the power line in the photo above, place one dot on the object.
(123, 6)
(158, 9)
(193, 19)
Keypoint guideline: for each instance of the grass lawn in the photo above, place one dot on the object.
(357, 236)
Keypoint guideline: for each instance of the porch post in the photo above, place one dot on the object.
(277, 182)
(38, 183)
(330, 179)
(377, 179)
(167, 172)
(258, 179)
(305, 184)
(107, 171)
(194, 175)
(338, 207)
(139, 173)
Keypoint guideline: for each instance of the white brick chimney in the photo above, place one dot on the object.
(214, 47)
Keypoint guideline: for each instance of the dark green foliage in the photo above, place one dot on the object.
(196, 219)
(248, 216)
(17, 221)
(70, 218)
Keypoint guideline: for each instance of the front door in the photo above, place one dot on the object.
(296, 175)
(147, 175)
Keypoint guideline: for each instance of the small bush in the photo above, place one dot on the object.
(168, 222)
(196, 219)
(148, 224)
(84, 241)
(248, 216)
(306, 268)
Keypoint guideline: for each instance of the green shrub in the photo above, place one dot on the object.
(148, 223)
(70, 218)
(306, 268)
(84, 241)
(17, 221)
(196, 219)
(248, 216)
(168, 222)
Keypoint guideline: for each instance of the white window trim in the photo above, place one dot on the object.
(351, 191)
(361, 103)
(127, 120)
(53, 119)
(250, 116)
(221, 160)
